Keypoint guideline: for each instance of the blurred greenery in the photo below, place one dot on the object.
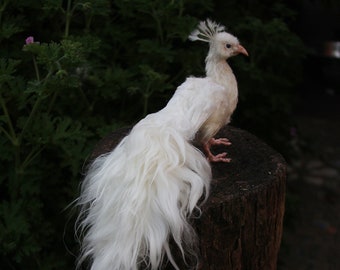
(96, 65)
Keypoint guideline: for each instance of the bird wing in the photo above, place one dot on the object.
(196, 101)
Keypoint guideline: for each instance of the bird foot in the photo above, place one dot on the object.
(219, 157)
(219, 141)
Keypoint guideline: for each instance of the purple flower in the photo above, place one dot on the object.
(29, 40)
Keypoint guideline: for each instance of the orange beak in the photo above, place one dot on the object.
(241, 49)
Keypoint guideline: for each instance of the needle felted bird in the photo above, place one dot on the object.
(139, 196)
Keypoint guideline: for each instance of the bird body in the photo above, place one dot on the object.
(225, 102)
(140, 195)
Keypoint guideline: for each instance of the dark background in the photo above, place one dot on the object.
(99, 65)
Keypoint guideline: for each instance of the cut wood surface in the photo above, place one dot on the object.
(241, 223)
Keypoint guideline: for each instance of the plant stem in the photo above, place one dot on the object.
(34, 109)
(88, 23)
(7, 135)
(2, 9)
(11, 134)
(37, 73)
(31, 156)
(30, 117)
(146, 96)
(159, 27)
(14, 184)
(146, 105)
(68, 19)
(50, 106)
(83, 95)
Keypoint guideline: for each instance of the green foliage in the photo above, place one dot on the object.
(273, 70)
(96, 65)
(268, 79)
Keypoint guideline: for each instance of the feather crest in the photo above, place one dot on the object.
(206, 30)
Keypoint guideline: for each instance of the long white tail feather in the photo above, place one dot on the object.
(138, 196)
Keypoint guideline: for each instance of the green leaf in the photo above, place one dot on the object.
(96, 7)
(73, 51)
(7, 68)
(8, 29)
(34, 48)
(65, 128)
(155, 51)
(52, 5)
(48, 53)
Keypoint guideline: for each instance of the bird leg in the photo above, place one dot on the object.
(219, 157)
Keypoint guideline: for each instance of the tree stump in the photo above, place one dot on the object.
(241, 223)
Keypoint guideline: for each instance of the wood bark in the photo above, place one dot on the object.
(240, 227)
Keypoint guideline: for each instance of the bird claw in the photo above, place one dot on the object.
(219, 157)
(219, 141)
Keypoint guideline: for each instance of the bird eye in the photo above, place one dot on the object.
(228, 46)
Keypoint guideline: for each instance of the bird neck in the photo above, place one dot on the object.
(219, 70)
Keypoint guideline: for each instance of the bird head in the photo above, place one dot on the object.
(222, 44)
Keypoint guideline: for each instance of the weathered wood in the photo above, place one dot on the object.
(241, 223)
